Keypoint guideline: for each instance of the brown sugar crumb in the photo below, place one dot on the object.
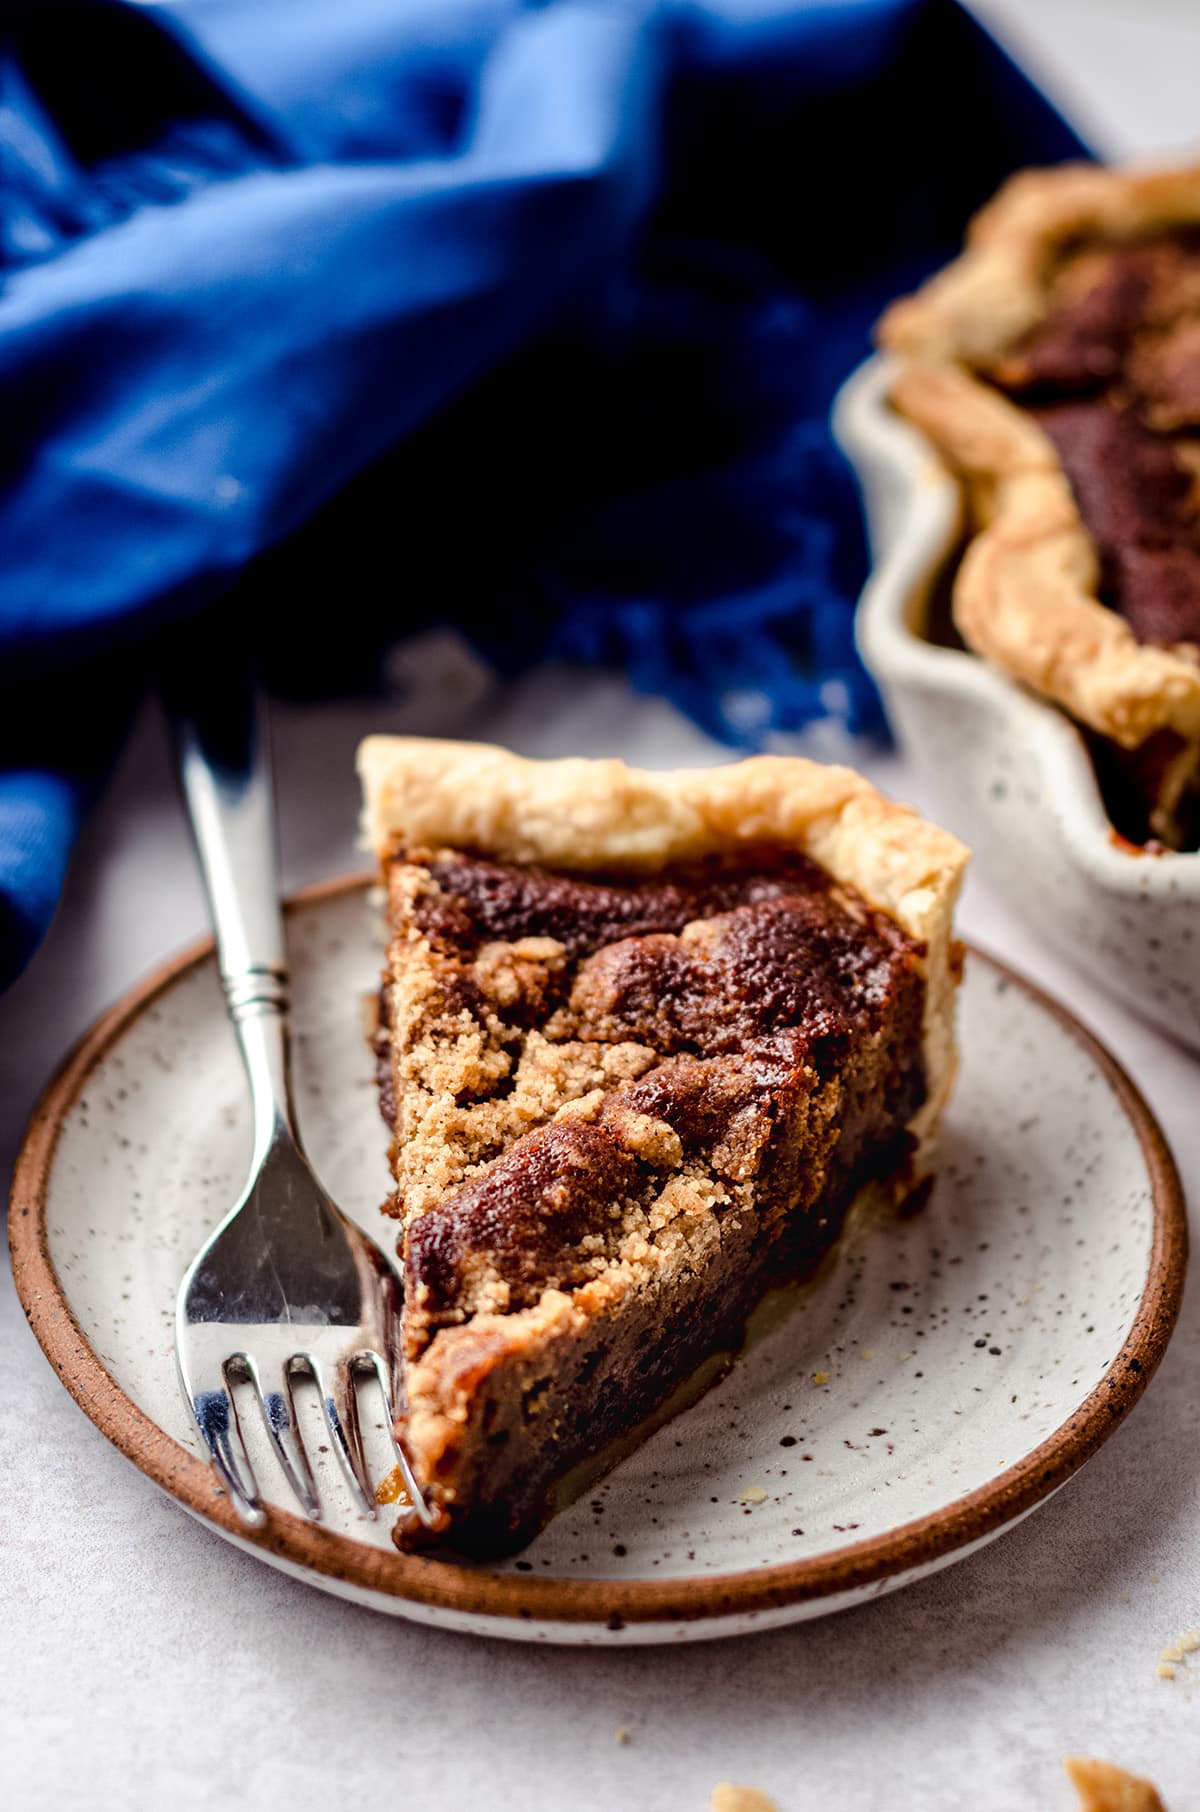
(1103, 1787)
(726, 1797)
(652, 1140)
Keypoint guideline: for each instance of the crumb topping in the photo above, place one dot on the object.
(586, 1076)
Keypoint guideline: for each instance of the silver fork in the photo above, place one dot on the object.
(287, 1286)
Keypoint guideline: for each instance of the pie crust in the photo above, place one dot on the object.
(1026, 592)
(560, 1209)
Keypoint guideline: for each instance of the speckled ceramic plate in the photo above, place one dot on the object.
(940, 1377)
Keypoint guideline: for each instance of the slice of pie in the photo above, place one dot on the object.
(644, 1039)
(1056, 368)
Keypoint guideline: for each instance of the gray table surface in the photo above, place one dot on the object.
(144, 1663)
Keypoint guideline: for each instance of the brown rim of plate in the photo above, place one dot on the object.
(467, 1589)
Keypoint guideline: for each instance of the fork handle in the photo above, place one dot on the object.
(225, 769)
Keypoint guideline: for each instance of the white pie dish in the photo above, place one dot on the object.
(1011, 772)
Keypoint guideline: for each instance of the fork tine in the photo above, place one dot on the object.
(411, 1488)
(341, 1418)
(279, 1414)
(217, 1420)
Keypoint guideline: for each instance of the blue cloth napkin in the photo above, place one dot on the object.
(525, 316)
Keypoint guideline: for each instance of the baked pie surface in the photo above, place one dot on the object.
(1055, 366)
(644, 1039)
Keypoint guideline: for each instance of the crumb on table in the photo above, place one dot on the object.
(726, 1797)
(1103, 1787)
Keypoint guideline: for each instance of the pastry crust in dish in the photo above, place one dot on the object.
(1027, 594)
(646, 1036)
(977, 308)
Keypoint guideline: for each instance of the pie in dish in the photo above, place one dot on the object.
(644, 1039)
(1055, 367)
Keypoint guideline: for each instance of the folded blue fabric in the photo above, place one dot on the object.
(522, 316)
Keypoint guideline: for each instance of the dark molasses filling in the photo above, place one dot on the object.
(1137, 500)
(1113, 376)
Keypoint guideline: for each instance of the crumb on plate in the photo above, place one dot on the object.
(390, 1489)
